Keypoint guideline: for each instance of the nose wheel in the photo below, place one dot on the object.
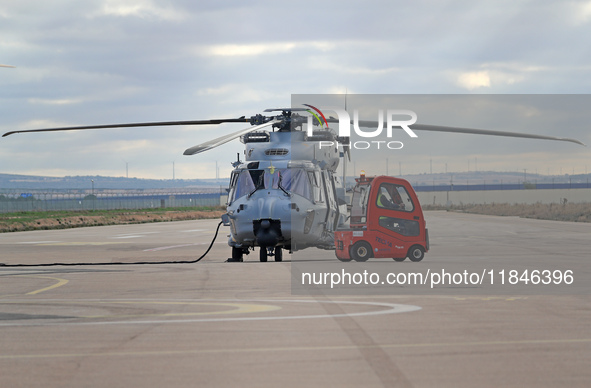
(276, 252)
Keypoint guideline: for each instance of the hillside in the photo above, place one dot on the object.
(13, 181)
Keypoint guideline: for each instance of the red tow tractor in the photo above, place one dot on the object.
(386, 221)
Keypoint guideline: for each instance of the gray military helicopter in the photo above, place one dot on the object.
(286, 194)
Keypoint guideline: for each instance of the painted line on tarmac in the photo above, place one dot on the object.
(133, 235)
(237, 308)
(180, 246)
(297, 348)
(82, 243)
(60, 282)
(390, 308)
(38, 242)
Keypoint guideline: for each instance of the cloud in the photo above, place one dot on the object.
(474, 80)
(496, 74)
(107, 61)
(581, 12)
(263, 48)
(231, 50)
(53, 101)
(143, 9)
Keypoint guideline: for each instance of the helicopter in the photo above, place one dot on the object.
(286, 194)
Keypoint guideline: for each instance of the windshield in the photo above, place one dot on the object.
(359, 204)
(394, 197)
(246, 182)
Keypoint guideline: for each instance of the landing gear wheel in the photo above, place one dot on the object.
(263, 254)
(416, 253)
(361, 251)
(399, 259)
(278, 254)
(236, 255)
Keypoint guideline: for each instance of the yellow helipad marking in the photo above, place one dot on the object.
(237, 308)
(60, 282)
(299, 348)
(241, 306)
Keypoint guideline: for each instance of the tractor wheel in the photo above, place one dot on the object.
(416, 253)
(399, 259)
(361, 251)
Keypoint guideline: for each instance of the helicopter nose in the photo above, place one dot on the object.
(267, 232)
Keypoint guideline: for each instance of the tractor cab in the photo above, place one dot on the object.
(386, 221)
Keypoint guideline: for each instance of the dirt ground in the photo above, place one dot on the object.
(87, 219)
(571, 212)
(559, 212)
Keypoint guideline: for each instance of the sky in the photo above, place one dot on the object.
(119, 61)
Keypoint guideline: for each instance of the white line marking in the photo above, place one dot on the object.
(38, 242)
(392, 308)
(178, 246)
(129, 234)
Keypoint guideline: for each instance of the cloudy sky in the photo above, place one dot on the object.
(116, 61)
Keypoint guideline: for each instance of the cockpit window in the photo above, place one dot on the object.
(292, 180)
(296, 181)
(241, 184)
(272, 179)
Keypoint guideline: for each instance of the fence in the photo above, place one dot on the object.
(43, 200)
(33, 200)
(500, 186)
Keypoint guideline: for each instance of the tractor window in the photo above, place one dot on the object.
(398, 225)
(359, 204)
(394, 197)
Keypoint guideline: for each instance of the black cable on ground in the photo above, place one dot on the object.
(121, 263)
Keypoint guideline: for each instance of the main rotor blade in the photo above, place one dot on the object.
(440, 128)
(226, 138)
(152, 124)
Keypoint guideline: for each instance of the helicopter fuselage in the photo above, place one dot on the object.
(285, 195)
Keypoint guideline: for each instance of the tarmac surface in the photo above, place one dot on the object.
(213, 323)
